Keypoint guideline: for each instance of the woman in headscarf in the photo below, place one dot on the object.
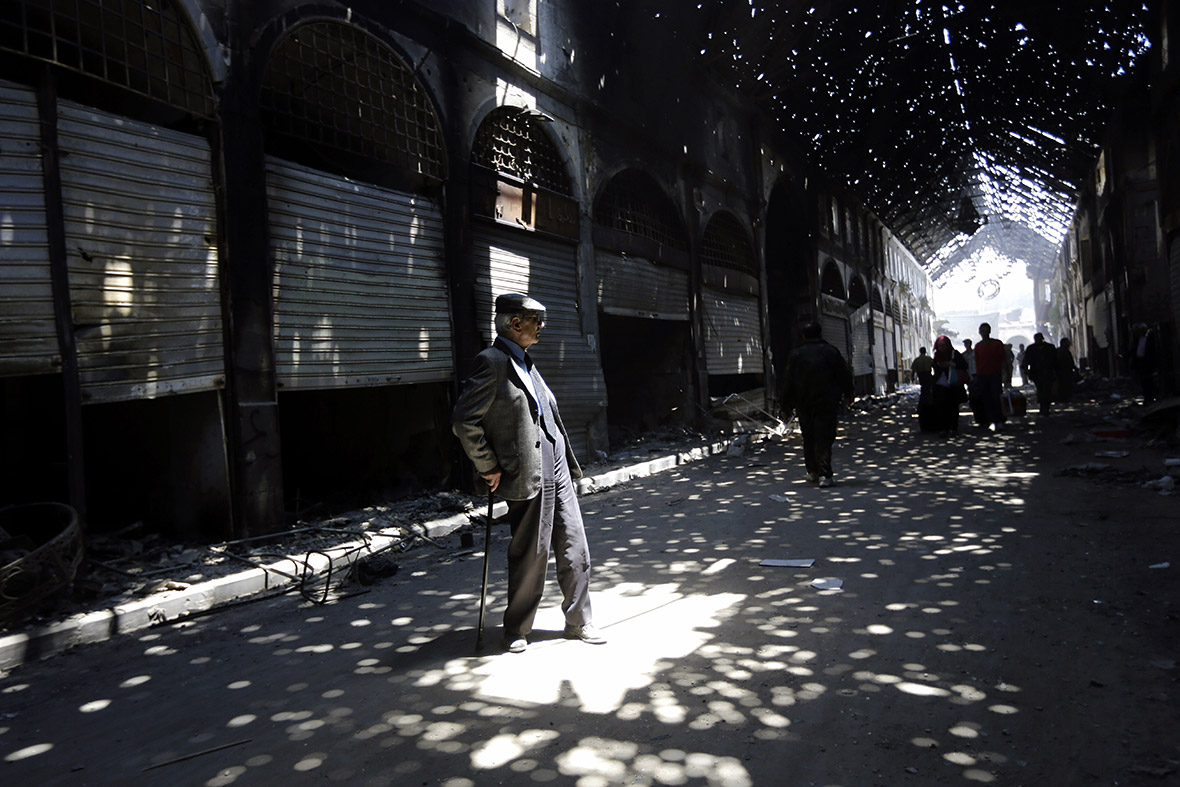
(949, 388)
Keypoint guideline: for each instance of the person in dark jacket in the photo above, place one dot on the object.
(1067, 372)
(923, 369)
(1144, 355)
(1041, 360)
(815, 381)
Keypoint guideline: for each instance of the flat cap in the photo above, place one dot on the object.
(517, 303)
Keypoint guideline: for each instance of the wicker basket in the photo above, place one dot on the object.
(54, 537)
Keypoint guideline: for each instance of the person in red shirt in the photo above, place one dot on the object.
(989, 371)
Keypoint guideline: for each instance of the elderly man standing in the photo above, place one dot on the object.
(508, 423)
(815, 380)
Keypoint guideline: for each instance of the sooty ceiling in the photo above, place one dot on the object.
(965, 126)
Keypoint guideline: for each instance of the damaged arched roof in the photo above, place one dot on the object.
(948, 118)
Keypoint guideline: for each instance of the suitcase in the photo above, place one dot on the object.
(1013, 403)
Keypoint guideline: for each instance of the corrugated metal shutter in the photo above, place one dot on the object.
(636, 287)
(141, 237)
(1096, 311)
(879, 350)
(733, 332)
(891, 343)
(360, 289)
(858, 324)
(835, 332)
(28, 336)
(834, 322)
(512, 261)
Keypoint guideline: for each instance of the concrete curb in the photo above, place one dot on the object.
(169, 606)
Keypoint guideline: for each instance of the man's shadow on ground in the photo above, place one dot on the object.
(459, 643)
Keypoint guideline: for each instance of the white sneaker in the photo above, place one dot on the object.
(812, 478)
(588, 633)
(826, 481)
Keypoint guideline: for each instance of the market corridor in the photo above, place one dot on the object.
(988, 609)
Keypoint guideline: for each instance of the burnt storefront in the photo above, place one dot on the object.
(642, 274)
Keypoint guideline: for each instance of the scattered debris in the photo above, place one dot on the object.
(1110, 432)
(780, 498)
(168, 584)
(738, 445)
(1159, 773)
(794, 563)
(1161, 565)
(372, 568)
(198, 754)
(1164, 484)
(1088, 468)
(1113, 454)
(1105, 473)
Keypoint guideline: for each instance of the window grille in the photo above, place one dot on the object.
(857, 296)
(632, 203)
(725, 245)
(831, 283)
(333, 85)
(875, 295)
(509, 142)
(144, 47)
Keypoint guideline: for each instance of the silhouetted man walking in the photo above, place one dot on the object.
(814, 382)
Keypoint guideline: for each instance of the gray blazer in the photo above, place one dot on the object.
(497, 423)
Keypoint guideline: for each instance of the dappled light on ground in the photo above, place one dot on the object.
(719, 670)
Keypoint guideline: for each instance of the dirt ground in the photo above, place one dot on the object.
(983, 609)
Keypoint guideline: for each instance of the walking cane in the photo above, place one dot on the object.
(487, 556)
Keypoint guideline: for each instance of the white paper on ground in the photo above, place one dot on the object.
(797, 563)
(827, 583)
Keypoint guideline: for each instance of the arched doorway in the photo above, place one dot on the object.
(642, 267)
(362, 326)
(834, 308)
(525, 240)
(732, 316)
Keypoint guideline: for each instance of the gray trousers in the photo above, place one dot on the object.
(549, 522)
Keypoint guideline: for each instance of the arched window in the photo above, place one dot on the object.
(726, 245)
(143, 47)
(831, 283)
(510, 142)
(337, 88)
(632, 202)
(858, 294)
